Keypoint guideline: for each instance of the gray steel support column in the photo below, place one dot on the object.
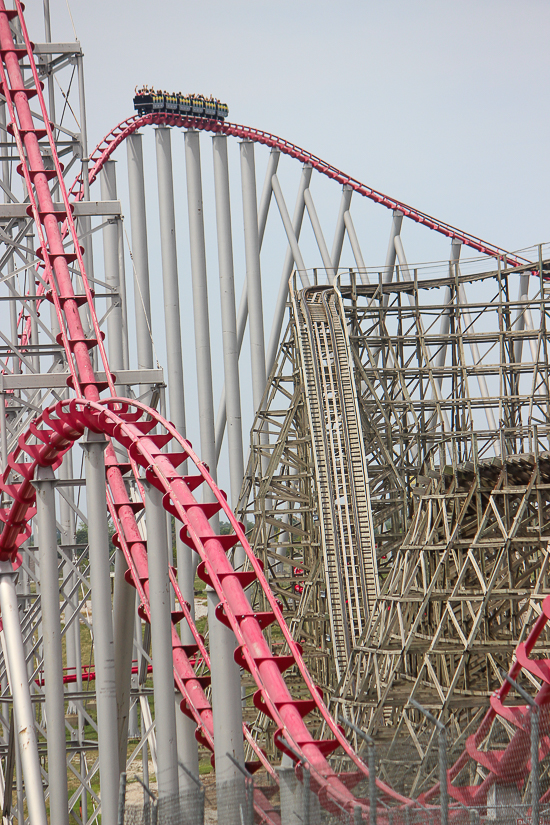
(357, 254)
(242, 314)
(229, 322)
(282, 297)
(12, 286)
(389, 266)
(291, 791)
(83, 126)
(253, 272)
(403, 264)
(111, 259)
(293, 241)
(124, 602)
(227, 710)
(24, 713)
(124, 594)
(45, 484)
(390, 257)
(200, 301)
(174, 364)
(104, 657)
(123, 297)
(456, 247)
(68, 537)
(186, 561)
(48, 39)
(35, 358)
(224, 670)
(319, 237)
(161, 643)
(523, 295)
(340, 230)
(267, 191)
(242, 317)
(86, 222)
(3, 430)
(188, 752)
(142, 300)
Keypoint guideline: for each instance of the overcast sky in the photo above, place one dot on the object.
(440, 104)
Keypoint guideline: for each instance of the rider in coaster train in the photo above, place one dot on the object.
(148, 100)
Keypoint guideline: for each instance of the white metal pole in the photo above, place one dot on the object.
(123, 296)
(185, 557)
(253, 272)
(112, 278)
(523, 295)
(456, 247)
(319, 237)
(339, 232)
(3, 430)
(124, 604)
(161, 636)
(23, 710)
(200, 300)
(390, 257)
(86, 221)
(242, 314)
(45, 484)
(229, 321)
(282, 297)
(124, 594)
(104, 657)
(293, 241)
(142, 300)
(227, 710)
(35, 358)
(188, 752)
(357, 254)
(291, 795)
(174, 363)
(387, 275)
(68, 538)
(265, 200)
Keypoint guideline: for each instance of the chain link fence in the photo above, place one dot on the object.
(502, 780)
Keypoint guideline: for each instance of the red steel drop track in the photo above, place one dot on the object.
(133, 425)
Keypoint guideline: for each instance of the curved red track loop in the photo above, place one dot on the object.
(53, 433)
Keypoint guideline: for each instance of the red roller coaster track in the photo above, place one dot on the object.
(132, 424)
(110, 142)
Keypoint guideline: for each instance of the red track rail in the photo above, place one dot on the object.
(131, 424)
(110, 142)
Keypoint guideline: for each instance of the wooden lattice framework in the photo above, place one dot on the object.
(452, 380)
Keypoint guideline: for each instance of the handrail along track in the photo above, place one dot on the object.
(340, 467)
